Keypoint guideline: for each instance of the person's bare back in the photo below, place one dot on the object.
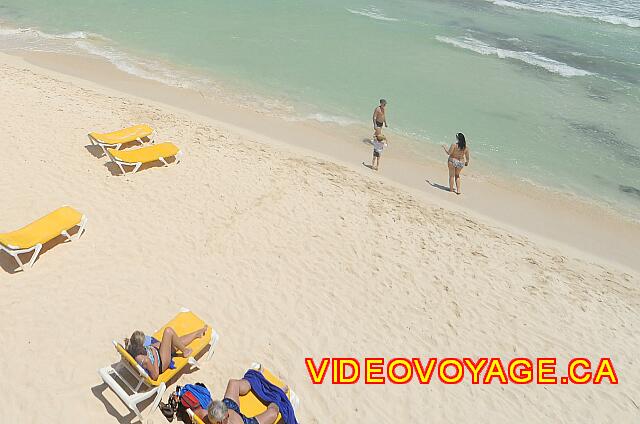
(456, 153)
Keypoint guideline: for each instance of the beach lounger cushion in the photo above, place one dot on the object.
(32, 236)
(42, 230)
(145, 154)
(125, 135)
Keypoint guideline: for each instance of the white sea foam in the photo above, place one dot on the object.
(530, 58)
(333, 119)
(373, 13)
(31, 33)
(576, 10)
(618, 20)
(94, 44)
(138, 67)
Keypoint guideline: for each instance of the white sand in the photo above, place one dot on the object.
(287, 256)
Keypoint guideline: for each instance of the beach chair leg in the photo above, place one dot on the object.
(131, 400)
(164, 162)
(158, 398)
(17, 258)
(121, 168)
(136, 411)
(178, 157)
(34, 256)
(16, 255)
(83, 223)
(138, 165)
(295, 400)
(192, 361)
(214, 341)
(66, 234)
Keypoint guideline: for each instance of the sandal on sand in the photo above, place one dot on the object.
(167, 411)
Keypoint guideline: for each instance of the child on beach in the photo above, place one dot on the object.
(379, 143)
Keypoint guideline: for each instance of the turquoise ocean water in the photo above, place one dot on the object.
(546, 90)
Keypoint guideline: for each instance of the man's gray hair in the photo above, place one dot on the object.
(217, 411)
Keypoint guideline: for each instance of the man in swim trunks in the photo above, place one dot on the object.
(227, 411)
(379, 118)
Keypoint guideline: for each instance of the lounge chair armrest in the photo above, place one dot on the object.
(138, 368)
(191, 415)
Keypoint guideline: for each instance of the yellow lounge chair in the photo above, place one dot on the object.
(250, 405)
(183, 323)
(31, 237)
(147, 154)
(114, 140)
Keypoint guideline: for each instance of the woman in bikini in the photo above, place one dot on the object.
(154, 355)
(457, 152)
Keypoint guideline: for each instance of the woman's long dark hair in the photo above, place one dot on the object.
(462, 143)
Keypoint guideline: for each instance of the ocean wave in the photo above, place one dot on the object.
(333, 119)
(562, 9)
(82, 42)
(560, 68)
(138, 67)
(617, 20)
(373, 13)
(31, 33)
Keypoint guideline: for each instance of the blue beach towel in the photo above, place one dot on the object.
(201, 393)
(267, 392)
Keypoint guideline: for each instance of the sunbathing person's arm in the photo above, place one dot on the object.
(151, 370)
(202, 414)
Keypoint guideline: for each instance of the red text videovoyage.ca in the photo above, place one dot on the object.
(459, 370)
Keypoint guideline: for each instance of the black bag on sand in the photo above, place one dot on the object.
(177, 406)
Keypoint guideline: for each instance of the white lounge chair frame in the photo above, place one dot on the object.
(136, 165)
(105, 146)
(140, 390)
(15, 251)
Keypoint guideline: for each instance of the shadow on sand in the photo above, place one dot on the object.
(436, 185)
(9, 264)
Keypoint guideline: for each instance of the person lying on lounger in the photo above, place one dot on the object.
(154, 355)
(227, 410)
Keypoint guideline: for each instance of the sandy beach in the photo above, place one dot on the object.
(290, 248)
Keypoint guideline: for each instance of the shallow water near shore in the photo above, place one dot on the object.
(546, 91)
